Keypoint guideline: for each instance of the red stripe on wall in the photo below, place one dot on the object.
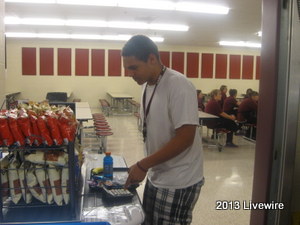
(207, 63)
(221, 66)
(257, 67)
(81, 62)
(46, 61)
(64, 61)
(28, 61)
(114, 62)
(192, 69)
(235, 67)
(165, 58)
(178, 61)
(98, 62)
(247, 71)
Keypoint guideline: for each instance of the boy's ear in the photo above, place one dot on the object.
(152, 58)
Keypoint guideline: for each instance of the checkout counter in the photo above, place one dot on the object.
(96, 208)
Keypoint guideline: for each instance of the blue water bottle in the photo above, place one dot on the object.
(108, 166)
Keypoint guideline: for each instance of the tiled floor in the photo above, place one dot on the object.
(228, 174)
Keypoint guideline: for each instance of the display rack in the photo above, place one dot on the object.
(37, 211)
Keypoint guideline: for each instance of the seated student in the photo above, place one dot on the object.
(226, 121)
(200, 100)
(223, 90)
(247, 111)
(248, 92)
(230, 105)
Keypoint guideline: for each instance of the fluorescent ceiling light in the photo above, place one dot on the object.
(33, 1)
(240, 44)
(69, 2)
(142, 4)
(42, 21)
(12, 20)
(51, 35)
(88, 2)
(147, 26)
(157, 39)
(94, 23)
(85, 23)
(33, 21)
(21, 35)
(130, 25)
(76, 36)
(201, 8)
(101, 37)
(171, 27)
(147, 4)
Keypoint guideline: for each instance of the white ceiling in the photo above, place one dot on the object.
(240, 24)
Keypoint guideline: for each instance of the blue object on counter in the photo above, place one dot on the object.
(108, 166)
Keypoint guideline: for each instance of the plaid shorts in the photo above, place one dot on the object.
(170, 206)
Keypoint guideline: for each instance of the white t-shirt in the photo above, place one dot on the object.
(174, 104)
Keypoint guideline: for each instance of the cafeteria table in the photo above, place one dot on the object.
(119, 103)
(82, 113)
(206, 117)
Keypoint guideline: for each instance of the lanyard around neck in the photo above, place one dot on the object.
(147, 109)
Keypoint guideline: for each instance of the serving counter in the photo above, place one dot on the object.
(95, 208)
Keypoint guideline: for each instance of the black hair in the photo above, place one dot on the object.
(140, 46)
(214, 93)
(248, 91)
(253, 93)
(232, 92)
(223, 87)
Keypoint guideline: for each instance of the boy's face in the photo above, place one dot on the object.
(218, 97)
(140, 71)
(255, 98)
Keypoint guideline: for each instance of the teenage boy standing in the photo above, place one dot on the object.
(173, 159)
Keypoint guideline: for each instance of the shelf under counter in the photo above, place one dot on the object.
(37, 211)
